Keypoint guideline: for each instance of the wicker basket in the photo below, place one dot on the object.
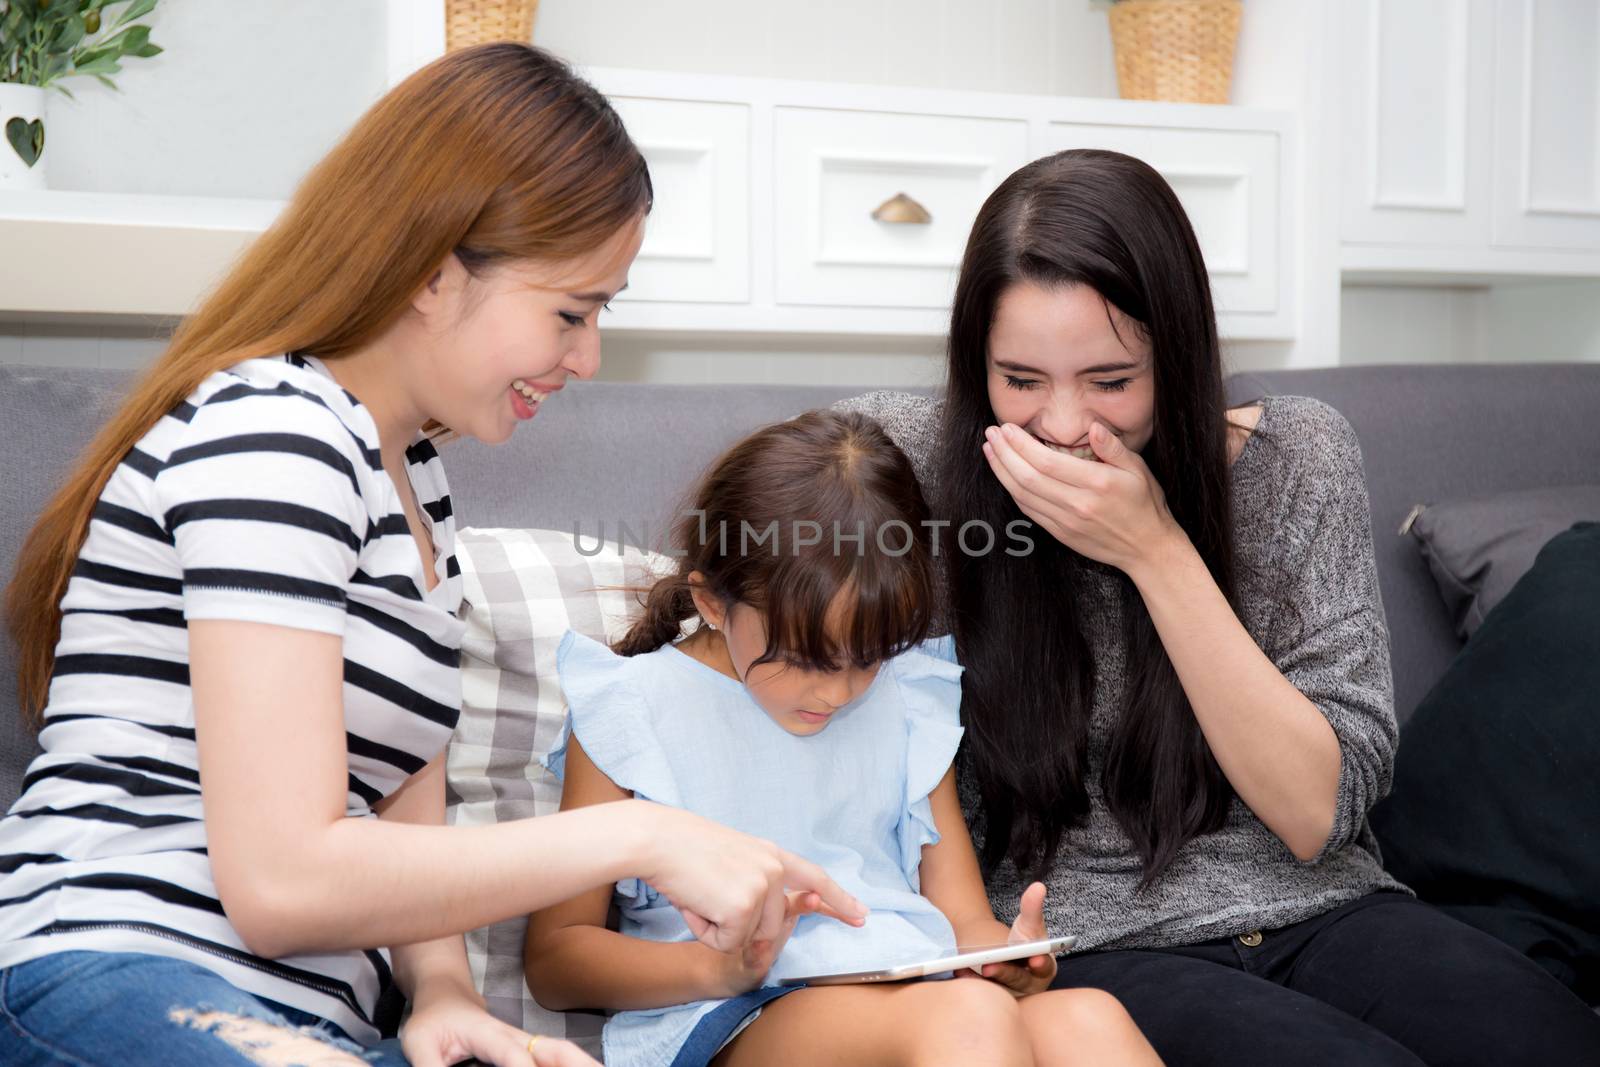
(1175, 49)
(470, 22)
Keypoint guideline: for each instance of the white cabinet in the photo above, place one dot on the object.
(810, 208)
(697, 239)
(1472, 137)
(1417, 100)
(1547, 120)
(842, 236)
(1228, 183)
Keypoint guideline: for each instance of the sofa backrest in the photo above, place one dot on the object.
(608, 453)
(1432, 433)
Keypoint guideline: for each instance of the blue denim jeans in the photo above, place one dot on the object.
(135, 1010)
(721, 1023)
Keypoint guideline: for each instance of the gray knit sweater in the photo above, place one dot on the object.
(1303, 537)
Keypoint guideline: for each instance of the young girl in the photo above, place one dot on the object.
(807, 708)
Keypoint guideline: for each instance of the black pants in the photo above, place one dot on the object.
(1381, 980)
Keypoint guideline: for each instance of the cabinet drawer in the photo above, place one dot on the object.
(697, 239)
(833, 169)
(1228, 183)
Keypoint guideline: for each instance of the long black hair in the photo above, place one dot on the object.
(1109, 222)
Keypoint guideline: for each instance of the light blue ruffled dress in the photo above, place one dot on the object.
(853, 799)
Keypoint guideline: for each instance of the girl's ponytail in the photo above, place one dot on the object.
(667, 604)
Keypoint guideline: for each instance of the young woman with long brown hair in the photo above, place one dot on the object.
(237, 619)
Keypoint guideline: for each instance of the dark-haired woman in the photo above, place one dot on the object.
(1178, 704)
(238, 620)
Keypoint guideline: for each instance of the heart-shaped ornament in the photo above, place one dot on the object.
(27, 138)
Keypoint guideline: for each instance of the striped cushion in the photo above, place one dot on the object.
(522, 590)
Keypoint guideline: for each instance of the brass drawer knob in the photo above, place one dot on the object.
(901, 209)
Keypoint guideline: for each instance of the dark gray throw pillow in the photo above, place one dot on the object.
(1478, 549)
(1492, 816)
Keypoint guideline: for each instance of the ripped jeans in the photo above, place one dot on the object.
(135, 1010)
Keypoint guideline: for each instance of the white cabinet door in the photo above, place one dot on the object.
(1547, 161)
(1417, 84)
(1227, 181)
(833, 169)
(697, 239)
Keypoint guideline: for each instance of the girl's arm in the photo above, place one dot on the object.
(296, 875)
(951, 877)
(573, 961)
(953, 882)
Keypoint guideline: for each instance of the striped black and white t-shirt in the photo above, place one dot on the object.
(262, 499)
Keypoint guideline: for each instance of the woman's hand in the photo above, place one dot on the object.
(745, 969)
(1112, 511)
(733, 888)
(1034, 974)
(447, 1029)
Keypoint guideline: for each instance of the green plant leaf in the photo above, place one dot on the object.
(27, 139)
(125, 42)
(55, 67)
(68, 36)
(89, 56)
(100, 65)
(42, 41)
(138, 9)
(10, 29)
(48, 22)
(107, 82)
(133, 38)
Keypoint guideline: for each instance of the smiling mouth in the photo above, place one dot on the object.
(1078, 451)
(534, 396)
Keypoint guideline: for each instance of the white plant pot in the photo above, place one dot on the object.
(24, 103)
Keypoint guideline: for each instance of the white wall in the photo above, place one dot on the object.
(244, 99)
(1547, 321)
(1013, 46)
(1413, 324)
(1525, 321)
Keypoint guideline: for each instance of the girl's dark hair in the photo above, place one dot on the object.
(835, 480)
(1109, 222)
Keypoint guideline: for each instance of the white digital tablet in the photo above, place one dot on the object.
(960, 959)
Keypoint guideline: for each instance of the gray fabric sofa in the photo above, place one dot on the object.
(602, 452)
